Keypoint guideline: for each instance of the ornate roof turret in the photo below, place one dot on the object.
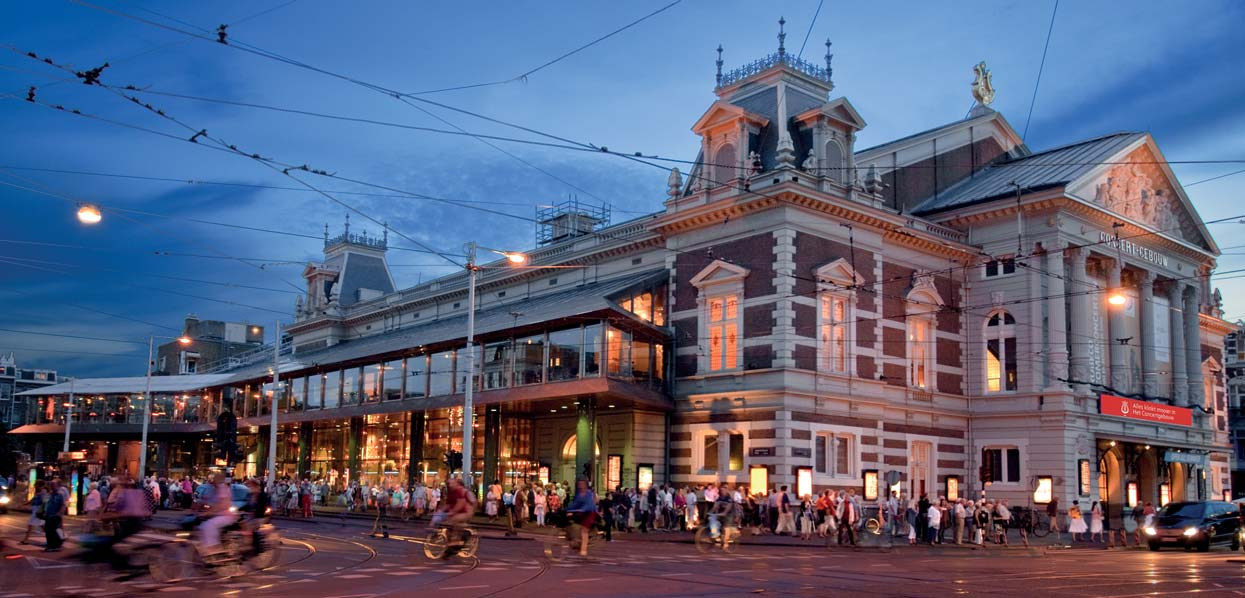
(779, 58)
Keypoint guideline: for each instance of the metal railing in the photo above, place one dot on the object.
(758, 66)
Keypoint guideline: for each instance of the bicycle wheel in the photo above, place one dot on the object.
(729, 547)
(267, 555)
(704, 540)
(873, 526)
(435, 544)
(471, 546)
(1041, 528)
(172, 562)
(558, 549)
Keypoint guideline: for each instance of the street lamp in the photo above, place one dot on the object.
(89, 214)
(515, 258)
(142, 453)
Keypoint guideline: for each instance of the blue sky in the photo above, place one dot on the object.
(1163, 67)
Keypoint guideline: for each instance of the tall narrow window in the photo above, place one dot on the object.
(710, 462)
(919, 352)
(723, 332)
(1000, 354)
(834, 328)
(726, 162)
(842, 455)
(820, 454)
(735, 460)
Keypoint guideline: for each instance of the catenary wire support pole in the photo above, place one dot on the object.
(468, 396)
(276, 392)
(69, 405)
(142, 452)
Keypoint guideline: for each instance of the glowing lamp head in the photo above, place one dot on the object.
(516, 258)
(185, 340)
(1117, 298)
(89, 214)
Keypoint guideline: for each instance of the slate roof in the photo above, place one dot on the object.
(363, 272)
(1042, 170)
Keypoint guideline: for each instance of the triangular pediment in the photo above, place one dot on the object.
(719, 272)
(721, 113)
(839, 110)
(841, 273)
(1136, 183)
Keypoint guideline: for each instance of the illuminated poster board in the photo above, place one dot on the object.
(871, 484)
(613, 472)
(1044, 491)
(758, 479)
(542, 474)
(1082, 476)
(804, 481)
(30, 488)
(1132, 494)
(73, 493)
(644, 477)
(1165, 494)
(953, 487)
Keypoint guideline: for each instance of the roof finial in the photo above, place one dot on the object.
(347, 226)
(719, 63)
(782, 36)
(326, 234)
(829, 57)
(385, 237)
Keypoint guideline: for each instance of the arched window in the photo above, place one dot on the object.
(834, 161)
(726, 163)
(1000, 354)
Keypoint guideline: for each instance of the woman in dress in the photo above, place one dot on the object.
(1076, 521)
(1095, 522)
(541, 505)
(490, 501)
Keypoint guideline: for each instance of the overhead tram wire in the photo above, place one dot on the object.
(98, 311)
(1041, 66)
(524, 75)
(153, 275)
(74, 336)
(810, 28)
(147, 288)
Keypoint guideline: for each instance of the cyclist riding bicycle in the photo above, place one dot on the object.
(725, 513)
(218, 504)
(455, 511)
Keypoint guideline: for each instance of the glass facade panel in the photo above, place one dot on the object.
(332, 389)
(496, 365)
(350, 386)
(416, 377)
(370, 383)
(391, 374)
(298, 395)
(529, 359)
(564, 354)
(328, 452)
(383, 459)
(441, 374)
(315, 391)
(592, 349)
(641, 362)
(618, 350)
(462, 361)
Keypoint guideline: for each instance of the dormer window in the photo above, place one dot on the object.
(725, 165)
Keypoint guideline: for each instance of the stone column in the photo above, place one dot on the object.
(1115, 330)
(492, 443)
(1079, 361)
(415, 447)
(1056, 323)
(1193, 345)
(585, 439)
(1180, 380)
(1149, 375)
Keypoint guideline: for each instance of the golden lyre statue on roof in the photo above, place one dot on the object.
(983, 89)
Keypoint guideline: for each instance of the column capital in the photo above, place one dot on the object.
(1175, 292)
(1146, 278)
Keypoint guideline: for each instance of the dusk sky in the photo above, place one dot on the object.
(1161, 67)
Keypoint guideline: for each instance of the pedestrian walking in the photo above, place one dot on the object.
(1095, 522)
(1076, 521)
(54, 509)
(848, 516)
(961, 514)
(1052, 511)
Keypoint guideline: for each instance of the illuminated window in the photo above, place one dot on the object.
(1000, 352)
(834, 325)
(735, 458)
(920, 353)
(723, 332)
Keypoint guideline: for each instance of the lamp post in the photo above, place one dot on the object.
(68, 416)
(514, 258)
(272, 426)
(142, 453)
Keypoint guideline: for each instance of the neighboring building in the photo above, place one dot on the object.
(13, 380)
(215, 346)
(1234, 371)
(946, 313)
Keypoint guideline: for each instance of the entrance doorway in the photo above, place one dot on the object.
(919, 468)
(566, 468)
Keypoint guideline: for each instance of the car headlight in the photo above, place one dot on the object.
(4, 500)
(1150, 531)
(1191, 531)
(233, 509)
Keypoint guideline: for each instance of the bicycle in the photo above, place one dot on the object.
(437, 543)
(568, 545)
(714, 534)
(242, 551)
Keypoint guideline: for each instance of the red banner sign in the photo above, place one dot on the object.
(1143, 410)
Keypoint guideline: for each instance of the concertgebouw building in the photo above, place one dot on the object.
(949, 313)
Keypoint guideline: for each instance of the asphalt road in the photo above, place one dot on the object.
(333, 559)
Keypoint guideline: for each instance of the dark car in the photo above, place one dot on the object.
(1196, 525)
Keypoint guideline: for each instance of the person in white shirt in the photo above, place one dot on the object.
(934, 516)
(960, 514)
